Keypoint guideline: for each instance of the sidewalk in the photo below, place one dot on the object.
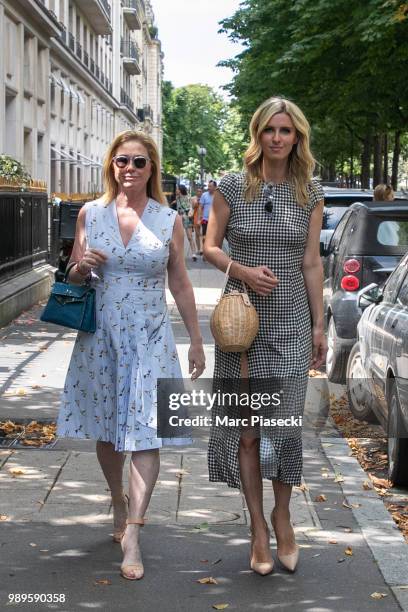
(55, 538)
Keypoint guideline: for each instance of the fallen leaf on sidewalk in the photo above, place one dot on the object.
(317, 555)
(216, 561)
(220, 606)
(377, 595)
(21, 392)
(201, 526)
(102, 581)
(302, 487)
(208, 580)
(332, 541)
(341, 560)
(32, 544)
(320, 498)
(203, 560)
(338, 477)
(367, 486)
(3, 517)
(16, 472)
(349, 551)
(346, 505)
(36, 386)
(44, 550)
(348, 530)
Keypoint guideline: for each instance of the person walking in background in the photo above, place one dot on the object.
(131, 238)
(183, 202)
(272, 215)
(195, 204)
(206, 201)
(383, 193)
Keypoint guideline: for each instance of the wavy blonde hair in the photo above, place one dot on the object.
(154, 188)
(301, 163)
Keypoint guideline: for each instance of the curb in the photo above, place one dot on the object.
(386, 542)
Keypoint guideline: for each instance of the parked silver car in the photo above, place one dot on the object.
(377, 370)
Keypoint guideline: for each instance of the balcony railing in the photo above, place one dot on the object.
(97, 72)
(148, 112)
(92, 66)
(79, 50)
(71, 40)
(98, 13)
(85, 58)
(63, 33)
(131, 13)
(126, 99)
(130, 54)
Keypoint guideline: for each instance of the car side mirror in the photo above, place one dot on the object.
(371, 294)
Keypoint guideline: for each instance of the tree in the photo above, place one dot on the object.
(12, 169)
(344, 65)
(196, 116)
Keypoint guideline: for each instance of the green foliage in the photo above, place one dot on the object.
(191, 169)
(196, 116)
(12, 169)
(343, 63)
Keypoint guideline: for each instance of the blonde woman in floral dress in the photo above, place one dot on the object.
(128, 240)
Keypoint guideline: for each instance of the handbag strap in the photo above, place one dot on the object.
(227, 276)
(68, 270)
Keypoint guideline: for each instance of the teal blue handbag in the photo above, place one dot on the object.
(71, 306)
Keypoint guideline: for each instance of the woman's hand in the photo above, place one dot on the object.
(319, 347)
(91, 259)
(196, 360)
(261, 279)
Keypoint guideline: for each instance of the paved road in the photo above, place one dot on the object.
(56, 536)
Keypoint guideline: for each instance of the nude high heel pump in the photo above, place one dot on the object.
(260, 567)
(290, 560)
(136, 569)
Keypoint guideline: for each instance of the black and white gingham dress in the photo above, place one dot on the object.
(282, 349)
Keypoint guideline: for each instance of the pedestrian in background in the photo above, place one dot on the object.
(383, 193)
(206, 201)
(183, 202)
(195, 204)
(131, 238)
(272, 216)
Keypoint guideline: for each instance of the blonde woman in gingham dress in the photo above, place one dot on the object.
(271, 215)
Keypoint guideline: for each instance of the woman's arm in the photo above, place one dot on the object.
(260, 278)
(182, 291)
(85, 259)
(312, 270)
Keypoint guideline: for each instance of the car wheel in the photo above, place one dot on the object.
(397, 443)
(358, 393)
(336, 359)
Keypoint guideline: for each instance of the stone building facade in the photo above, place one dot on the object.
(73, 73)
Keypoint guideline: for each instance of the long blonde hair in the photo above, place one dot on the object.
(154, 188)
(300, 163)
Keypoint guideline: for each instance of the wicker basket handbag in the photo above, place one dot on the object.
(234, 322)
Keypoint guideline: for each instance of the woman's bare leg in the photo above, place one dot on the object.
(251, 479)
(112, 462)
(285, 535)
(197, 232)
(143, 473)
(189, 233)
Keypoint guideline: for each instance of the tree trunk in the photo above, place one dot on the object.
(365, 162)
(332, 172)
(395, 159)
(377, 174)
(385, 152)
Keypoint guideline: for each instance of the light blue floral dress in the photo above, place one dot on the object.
(111, 384)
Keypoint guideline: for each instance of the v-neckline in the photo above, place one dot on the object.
(115, 211)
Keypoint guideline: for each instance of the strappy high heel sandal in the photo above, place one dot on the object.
(118, 533)
(136, 569)
(290, 560)
(260, 567)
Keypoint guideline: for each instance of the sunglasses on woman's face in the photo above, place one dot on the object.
(138, 161)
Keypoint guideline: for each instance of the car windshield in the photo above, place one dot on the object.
(332, 215)
(393, 233)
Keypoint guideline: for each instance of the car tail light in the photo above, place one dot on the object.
(351, 266)
(350, 283)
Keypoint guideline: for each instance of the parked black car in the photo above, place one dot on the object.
(366, 246)
(336, 202)
(377, 371)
